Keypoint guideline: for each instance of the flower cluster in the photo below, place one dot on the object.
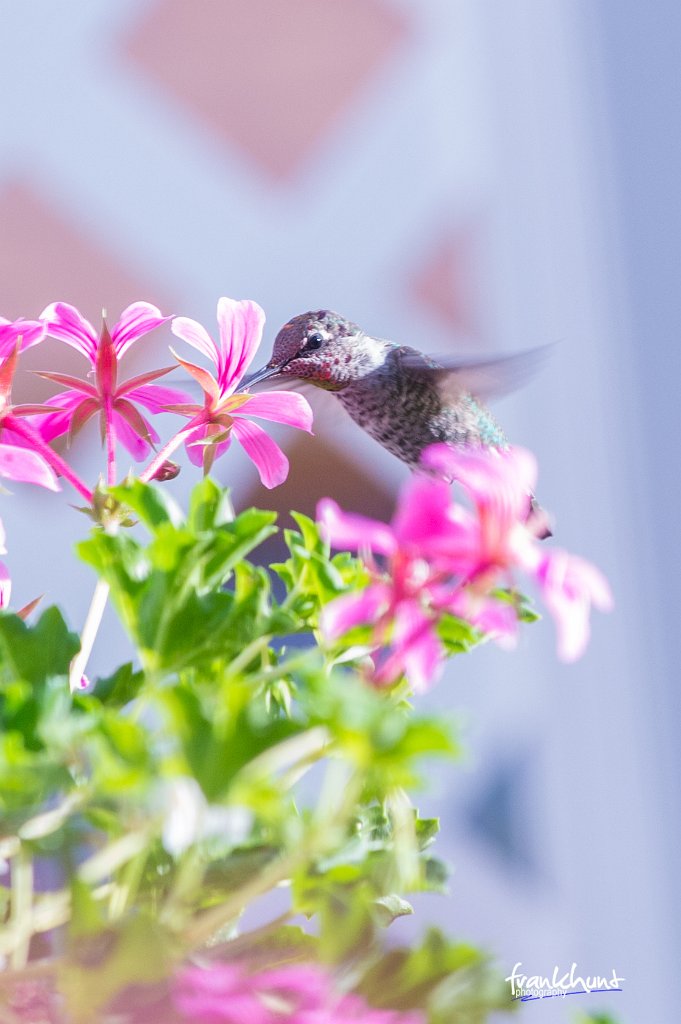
(445, 557)
(26, 431)
(297, 994)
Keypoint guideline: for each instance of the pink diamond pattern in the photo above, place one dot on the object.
(227, 63)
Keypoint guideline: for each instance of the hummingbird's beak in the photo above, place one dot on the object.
(255, 378)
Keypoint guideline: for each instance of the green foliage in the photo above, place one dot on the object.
(178, 789)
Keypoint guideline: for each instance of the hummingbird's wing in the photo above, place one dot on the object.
(485, 378)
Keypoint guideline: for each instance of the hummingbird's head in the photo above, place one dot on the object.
(320, 347)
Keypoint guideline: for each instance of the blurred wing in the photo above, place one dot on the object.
(484, 378)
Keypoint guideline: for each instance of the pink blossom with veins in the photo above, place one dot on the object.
(22, 452)
(443, 557)
(297, 994)
(224, 413)
(116, 403)
(24, 332)
(427, 544)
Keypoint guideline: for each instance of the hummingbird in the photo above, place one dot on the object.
(403, 398)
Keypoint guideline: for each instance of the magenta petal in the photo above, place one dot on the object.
(279, 407)
(307, 982)
(26, 466)
(136, 319)
(67, 324)
(195, 448)
(241, 323)
(492, 477)
(418, 645)
(138, 447)
(425, 514)
(195, 335)
(351, 531)
(569, 586)
(271, 463)
(30, 332)
(5, 586)
(55, 424)
(155, 398)
(354, 609)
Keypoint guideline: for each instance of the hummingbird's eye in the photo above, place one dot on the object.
(314, 341)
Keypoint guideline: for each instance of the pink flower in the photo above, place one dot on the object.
(427, 544)
(23, 332)
(570, 585)
(223, 412)
(443, 557)
(22, 451)
(117, 404)
(297, 993)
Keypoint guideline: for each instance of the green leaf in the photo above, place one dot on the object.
(152, 504)
(210, 507)
(35, 653)
(410, 979)
(120, 687)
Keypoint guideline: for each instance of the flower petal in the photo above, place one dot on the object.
(26, 466)
(155, 397)
(241, 323)
(569, 585)
(29, 331)
(196, 335)
(196, 448)
(136, 319)
(425, 516)
(416, 650)
(5, 586)
(354, 609)
(66, 323)
(348, 530)
(207, 383)
(128, 429)
(491, 476)
(270, 461)
(279, 407)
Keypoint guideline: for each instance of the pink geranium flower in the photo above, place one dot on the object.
(116, 403)
(296, 993)
(225, 414)
(445, 557)
(428, 543)
(569, 586)
(25, 333)
(22, 450)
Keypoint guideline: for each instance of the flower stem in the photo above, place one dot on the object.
(21, 912)
(51, 457)
(92, 623)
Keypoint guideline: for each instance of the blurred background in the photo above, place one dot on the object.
(459, 175)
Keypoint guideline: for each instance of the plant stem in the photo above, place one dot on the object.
(90, 629)
(53, 458)
(22, 898)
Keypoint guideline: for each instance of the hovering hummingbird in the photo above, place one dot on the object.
(401, 397)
